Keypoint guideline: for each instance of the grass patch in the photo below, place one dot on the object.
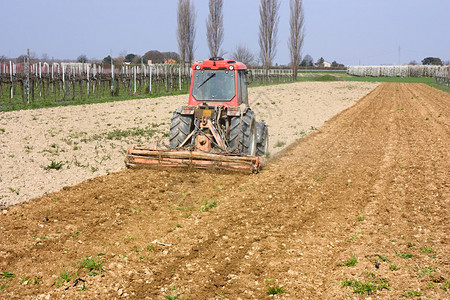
(172, 297)
(279, 144)
(441, 87)
(403, 255)
(366, 288)
(326, 78)
(4, 275)
(394, 267)
(54, 165)
(275, 290)
(425, 271)
(40, 103)
(64, 277)
(412, 294)
(15, 191)
(351, 261)
(426, 250)
(94, 266)
(206, 206)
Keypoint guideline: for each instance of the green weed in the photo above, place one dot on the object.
(426, 250)
(23, 279)
(361, 218)
(446, 286)
(94, 266)
(75, 234)
(425, 271)
(54, 165)
(351, 261)
(403, 255)
(394, 267)
(366, 288)
(275, 290)
(15, 191)
(4, 275)
(412, 294)
(279, 144)
(64, 277)
(382, 257)
(172, 297)
(206, 206)
(135, 210)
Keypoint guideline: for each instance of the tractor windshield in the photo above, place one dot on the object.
(214, 85)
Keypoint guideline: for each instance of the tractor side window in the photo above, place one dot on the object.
(243, 95)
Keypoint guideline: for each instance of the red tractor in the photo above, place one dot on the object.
(217, 128)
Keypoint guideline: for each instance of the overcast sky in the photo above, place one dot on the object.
(351, 32)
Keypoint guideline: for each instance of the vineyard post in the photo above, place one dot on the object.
(64, 86)
(179, 78)
(40, 79)
(27, 76)
(94, 76)
(87, 82)
(10, 74)
(112, 77)
(134, 71)
(165, 78)
(150, 75)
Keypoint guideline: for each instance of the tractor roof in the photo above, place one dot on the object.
(218, 63)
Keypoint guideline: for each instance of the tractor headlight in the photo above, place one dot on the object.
(197, 67)
(231, 68)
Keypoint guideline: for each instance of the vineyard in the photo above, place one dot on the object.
(400, 71)
(40, 84)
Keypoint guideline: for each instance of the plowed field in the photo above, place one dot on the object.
(359, 206)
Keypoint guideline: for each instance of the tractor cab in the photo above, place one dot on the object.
(219, 82)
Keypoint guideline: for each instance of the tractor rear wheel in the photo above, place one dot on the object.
(262, 139)
(180, 127)
(243, 134)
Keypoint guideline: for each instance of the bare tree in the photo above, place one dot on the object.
(214, 28)
(186, 30)
(243, 54)
(297, 35)
(268, 31)
(82, 58)
(181, 30)
(191, 31)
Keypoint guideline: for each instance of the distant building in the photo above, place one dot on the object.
(170, 61)
(149, 62)
(324, 64)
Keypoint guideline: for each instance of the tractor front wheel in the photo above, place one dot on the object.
(243, 133)
(180, 127)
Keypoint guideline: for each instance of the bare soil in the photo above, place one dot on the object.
(87, 141)
(371, 183)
